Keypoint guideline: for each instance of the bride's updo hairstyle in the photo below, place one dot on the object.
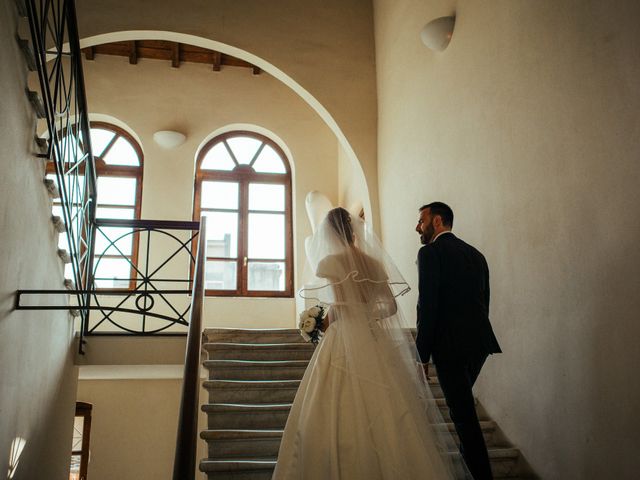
(340, 221)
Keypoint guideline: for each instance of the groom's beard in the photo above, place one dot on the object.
(426, 237)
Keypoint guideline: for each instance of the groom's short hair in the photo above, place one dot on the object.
(442, 209)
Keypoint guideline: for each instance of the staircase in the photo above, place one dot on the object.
(253, 379)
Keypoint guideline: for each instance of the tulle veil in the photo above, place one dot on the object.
(349, 272)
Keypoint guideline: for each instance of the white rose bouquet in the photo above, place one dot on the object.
(311, 321)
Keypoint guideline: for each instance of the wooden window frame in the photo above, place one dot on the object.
(84, 410)
(104, 170)
(243, 175)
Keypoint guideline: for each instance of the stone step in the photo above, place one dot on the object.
(246, 416)
(27, 53)
(235, 443)
(37, 103)
(259, 351)
(223, 444)
(21, 5)
(270, 414)
(253, 335)
(257, 469)
(503, 462)
(52, 188)
(244, 391)
(256, 370)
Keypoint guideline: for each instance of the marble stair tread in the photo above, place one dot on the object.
(250, 384)
(249, 407)
(259, 351)
(243, 434)
(255, 363)
(251, 391)
(253, 335)
(256, 369)
(502, 461)
(247, 443)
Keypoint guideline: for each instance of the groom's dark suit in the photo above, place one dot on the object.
(454, 329)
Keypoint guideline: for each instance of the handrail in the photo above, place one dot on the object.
(184, 465)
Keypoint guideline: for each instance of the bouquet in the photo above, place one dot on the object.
(311, 321)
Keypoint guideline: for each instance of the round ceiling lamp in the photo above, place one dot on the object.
(169, 139)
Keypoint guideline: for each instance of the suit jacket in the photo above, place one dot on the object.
(453, 302)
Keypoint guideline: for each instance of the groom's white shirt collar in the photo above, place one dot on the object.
(440, 234)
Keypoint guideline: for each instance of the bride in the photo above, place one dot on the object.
(363, 409)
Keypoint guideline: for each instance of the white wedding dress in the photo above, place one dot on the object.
(363, 409)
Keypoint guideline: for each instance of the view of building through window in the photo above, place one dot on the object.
(243, 187)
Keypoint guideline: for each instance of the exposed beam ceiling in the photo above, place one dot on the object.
(175, 54)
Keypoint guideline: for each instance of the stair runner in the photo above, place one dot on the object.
(253, 379)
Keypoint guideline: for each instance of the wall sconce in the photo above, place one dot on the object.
(437, 33)
(169, 139)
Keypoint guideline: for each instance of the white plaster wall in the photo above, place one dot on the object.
(133, 428)
(528, 125)
(193, 99)
(37, 376)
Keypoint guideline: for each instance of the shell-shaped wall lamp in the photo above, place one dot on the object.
(437, 33)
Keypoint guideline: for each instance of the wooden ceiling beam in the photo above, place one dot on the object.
(89, 53)
(175, 55)
(175, 52)
(133, 53)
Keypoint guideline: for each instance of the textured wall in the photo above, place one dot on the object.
(37, 376)
(133, 428)
(528, 126)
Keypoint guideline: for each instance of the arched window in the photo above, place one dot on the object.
(119, 169)
(243, 186)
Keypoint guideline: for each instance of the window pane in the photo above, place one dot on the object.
(269, 162)
(122, 153)
(119, 237)
(218, 158)
(112, 272)
(120, 213)
(266, 235)
(70, 149)
(266, 276)
(63, 242)
(222, 234)
(100, 138)
(74, 185)
(74, 472)
(76, 441)
(264, 196)
(68, 271)
(220, 275)
(244, 148)
(219, 195)
(116, 191)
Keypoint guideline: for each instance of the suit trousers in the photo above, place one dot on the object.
(456, 379)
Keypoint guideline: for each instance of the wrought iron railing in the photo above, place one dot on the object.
(54, 35)
(148, 293)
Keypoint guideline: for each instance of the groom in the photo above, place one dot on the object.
(453, 324)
